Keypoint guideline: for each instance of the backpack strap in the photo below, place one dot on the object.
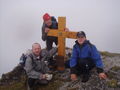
(33, 63)
(91, 47)
(90, 44)
(31, 56)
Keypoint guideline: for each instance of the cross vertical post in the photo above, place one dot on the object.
(61, 39)
(62, 35)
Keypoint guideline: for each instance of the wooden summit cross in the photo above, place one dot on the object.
(62, 35)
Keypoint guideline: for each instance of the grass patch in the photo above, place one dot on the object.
(105, 53)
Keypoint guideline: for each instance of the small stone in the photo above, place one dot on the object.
(118, 83)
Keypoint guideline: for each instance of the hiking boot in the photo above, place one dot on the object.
(85, 78)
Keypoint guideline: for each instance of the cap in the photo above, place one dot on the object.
(46, 17)
(80, 34)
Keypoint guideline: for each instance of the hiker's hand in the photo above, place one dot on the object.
(66, 29)
(43, 76)
(73, 77)
(47, 30)
(102, 76)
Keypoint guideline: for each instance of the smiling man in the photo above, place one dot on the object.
(35, 67)
(85, 57)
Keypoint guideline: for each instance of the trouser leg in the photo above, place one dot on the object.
(56, 41)
(85, 65)
(49, 44)
(51, 61)
(31, 82)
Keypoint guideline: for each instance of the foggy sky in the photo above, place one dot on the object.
(21, 21)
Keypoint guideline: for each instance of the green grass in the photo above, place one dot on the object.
(105, 53)
(112, 83)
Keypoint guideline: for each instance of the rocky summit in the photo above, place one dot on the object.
(17, 79)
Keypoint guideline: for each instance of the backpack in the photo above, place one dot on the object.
(23, 59)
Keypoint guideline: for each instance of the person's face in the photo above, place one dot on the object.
(81, 40)
(36, 49)
(48, 22)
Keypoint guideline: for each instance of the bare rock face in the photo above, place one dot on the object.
(16, 79)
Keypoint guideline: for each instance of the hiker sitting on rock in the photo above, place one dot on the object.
(85, 57)
(36, 68)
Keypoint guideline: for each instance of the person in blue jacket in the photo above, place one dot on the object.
(85, 57)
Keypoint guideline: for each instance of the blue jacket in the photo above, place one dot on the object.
(87, 50)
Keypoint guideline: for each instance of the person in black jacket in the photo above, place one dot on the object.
(49, 23)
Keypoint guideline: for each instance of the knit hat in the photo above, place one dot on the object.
(46, 17)
(80, 34)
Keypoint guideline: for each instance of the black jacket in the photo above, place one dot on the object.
(53, 26)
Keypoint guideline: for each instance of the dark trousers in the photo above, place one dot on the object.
(32, 82)
(51, 62)
(49, 42)
(83, 66)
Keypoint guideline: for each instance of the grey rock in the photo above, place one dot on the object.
(94, 82)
